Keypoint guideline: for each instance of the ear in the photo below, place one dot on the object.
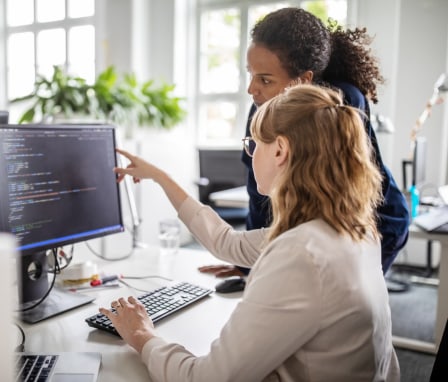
(307, 77)
(281, 150)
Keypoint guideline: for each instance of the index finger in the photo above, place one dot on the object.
(125, 154)
(108, 313)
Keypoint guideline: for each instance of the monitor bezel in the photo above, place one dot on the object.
(46, 245)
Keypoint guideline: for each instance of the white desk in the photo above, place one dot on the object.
(195, 327)
(442, 297)
(233, 197)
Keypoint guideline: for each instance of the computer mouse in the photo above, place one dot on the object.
(230, 285)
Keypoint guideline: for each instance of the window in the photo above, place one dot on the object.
(44, 33)
(223, 33)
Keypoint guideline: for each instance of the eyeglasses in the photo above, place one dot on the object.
(249, 146)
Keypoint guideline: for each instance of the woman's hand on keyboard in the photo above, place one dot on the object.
(131, 321)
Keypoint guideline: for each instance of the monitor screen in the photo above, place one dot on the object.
(57, 184)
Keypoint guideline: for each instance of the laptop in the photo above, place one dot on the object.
(59, 366)
(436, 219)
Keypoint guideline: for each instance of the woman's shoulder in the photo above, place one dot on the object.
(352, 95)
(307, 237)
(316, 237)
(315, 251)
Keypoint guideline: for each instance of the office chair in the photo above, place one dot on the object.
(439, 371)
(221, 169)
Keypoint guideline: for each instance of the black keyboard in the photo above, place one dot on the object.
(159, 303)
(35, 367)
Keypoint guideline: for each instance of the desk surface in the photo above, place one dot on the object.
(195, 327)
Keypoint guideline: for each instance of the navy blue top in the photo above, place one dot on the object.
(393, 213)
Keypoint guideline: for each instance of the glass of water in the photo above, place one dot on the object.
(169, 235)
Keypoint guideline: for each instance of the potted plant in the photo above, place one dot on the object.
(113, 98)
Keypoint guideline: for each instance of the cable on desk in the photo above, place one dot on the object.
(21, 347)
(141, 278)
(67, 258)
(147, 277)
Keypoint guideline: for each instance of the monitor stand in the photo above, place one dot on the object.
(33, 285)
(57, 302)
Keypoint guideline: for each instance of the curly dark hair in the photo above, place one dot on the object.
(302, 42)
(352, 60)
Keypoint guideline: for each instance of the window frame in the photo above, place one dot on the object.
(35, 28)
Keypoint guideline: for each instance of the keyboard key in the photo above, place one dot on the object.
(31, 368)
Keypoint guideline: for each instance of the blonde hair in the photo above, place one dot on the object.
(330, 173)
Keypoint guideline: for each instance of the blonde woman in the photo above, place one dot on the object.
(315, 307)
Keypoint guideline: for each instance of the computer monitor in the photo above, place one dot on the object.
(57, 188)
(419, 163)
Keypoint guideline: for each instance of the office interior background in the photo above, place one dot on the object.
(177, 41)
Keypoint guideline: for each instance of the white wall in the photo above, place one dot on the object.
(174, 152)
(411, 40)
(3, 102)
(138, 36)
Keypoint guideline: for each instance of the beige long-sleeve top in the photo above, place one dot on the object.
(315, 308)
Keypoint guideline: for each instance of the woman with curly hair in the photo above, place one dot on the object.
(315, 307)
(291, 46)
